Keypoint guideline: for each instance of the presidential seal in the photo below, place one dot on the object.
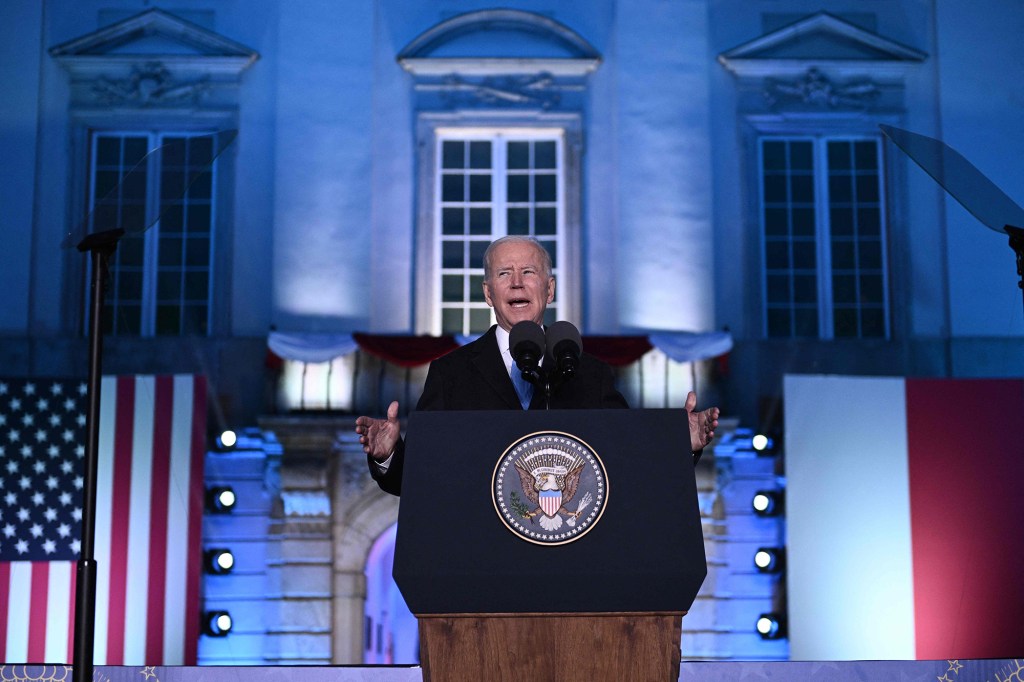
(549, 488)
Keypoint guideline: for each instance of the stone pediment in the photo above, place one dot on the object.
(824, 42)
(185, 48)
(499, 42)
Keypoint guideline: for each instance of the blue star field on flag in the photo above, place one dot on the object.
(42, 464)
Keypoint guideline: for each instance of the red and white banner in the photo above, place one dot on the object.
(904, 517)
(148, 520)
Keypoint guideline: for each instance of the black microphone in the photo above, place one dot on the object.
(564, 346)
(526, 343)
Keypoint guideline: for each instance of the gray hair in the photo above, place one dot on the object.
(545, 257)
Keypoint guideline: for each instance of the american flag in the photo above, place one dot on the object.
(148, 518)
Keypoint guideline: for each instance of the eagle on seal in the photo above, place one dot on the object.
(550, 493)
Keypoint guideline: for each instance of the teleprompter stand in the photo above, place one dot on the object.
(494, 606)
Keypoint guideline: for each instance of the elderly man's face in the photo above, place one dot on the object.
(517, 288)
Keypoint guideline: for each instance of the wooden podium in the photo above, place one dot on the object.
(492, 605)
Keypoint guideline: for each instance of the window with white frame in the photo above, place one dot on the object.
(161, 276)
(490, 184)
(823, 232)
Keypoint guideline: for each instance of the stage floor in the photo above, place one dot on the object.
(995, 670)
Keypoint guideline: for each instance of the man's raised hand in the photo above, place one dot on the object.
(702, 424)
(379, 436)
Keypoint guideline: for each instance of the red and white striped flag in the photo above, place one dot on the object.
(904, 517)
(148, 518)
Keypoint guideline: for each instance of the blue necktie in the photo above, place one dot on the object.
(524, 389)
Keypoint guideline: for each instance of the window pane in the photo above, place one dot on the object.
(871, 289)
(841, 221)
(803, 222)
(197, 251)
(777, 255)
(198, 218)
(843, 255)
(872, 323)
(805, 256)
(518, 155)
(479, 221)
(108, 151)
(452, 153)
(479, 154)
(840, 188)
(194, 319)
(479, 320)
(776, 221)
(451, 288)
(130, 250)
(551, 247)
(168, 286)
(801, 155)
(452, 254)
(866, 154)
(805, 289)
(519, 221)
(197, 286)
(870, 255)
(452, 188)
(779, 322)
(844, 289)
(476, 288)
(544, 154)
(452, 221)
(805, 321)
(839, 155)
(545, 221)
(802, 188)
(773, 155)
(476, 254)
(451, 321)
(172, 219)
(867, 188)
(778, 288)
(170, 251)
(200, 151)
(199, 186)
(869, 222)
(519, 188)
(135, 149)
(775, 189)
(129, 285)
(480, 187)
(544, 188)
(845, 322)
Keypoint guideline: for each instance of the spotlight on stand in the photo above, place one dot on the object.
(771, 626)
(217, 623)
(220, 499)
(218, 561)
(770, 559)
(768, 502)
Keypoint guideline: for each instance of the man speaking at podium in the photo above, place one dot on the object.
(483, 376)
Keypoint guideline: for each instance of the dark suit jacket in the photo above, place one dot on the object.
(473, 377)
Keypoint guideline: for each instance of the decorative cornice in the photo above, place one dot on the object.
(108, 51)
(149, 84)
(424, 45)
(766, 56)
(498, 66)
(814, 90)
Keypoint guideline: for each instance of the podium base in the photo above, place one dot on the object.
(550, 647)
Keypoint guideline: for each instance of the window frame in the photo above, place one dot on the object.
(155, 134)
(432, 128)
(823, 231)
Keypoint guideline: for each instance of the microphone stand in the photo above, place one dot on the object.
(101, 246)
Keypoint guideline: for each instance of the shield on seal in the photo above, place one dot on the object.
(550, 501)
